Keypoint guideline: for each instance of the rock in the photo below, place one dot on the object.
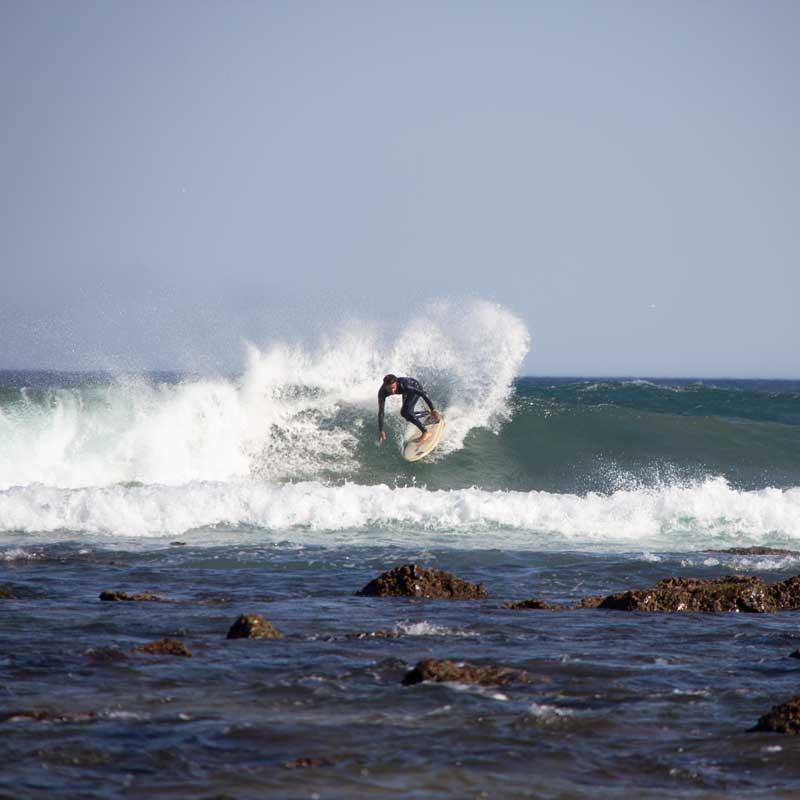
(533, 604)
(379, 634)
(795, 654)
(5, 594)
(438, 671)
(784, 718)
(142, 596)
(756, 551)
(165, 647)
(731, 593)
(253, 626)
(412, 580)
(105, 655)
(39, 715)
(593, 601)
(304, 763)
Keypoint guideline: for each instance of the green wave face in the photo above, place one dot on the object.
(590, 435)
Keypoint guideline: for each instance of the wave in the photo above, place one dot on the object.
(708, 513)
(296, 413)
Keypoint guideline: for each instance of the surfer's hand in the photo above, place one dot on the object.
(381, 437)
(436, 415)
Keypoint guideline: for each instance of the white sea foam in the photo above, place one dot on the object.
(294, 413)
(428, 629)
(706, 514)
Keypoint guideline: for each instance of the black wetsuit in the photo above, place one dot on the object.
(411, 390)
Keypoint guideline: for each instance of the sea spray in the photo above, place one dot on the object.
(296, 413)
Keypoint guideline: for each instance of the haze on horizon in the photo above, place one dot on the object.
(179, 177)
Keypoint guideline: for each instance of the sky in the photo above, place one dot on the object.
(177, 177)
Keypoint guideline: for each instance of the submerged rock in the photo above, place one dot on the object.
(593, 601)
(141, 596)
(165, 647)
(305, 763)
(382, 633)
(534, 604)
(439, 671)
(41, 715)
(253, 626)
(105, 655)
(735, 593)
(784, 718)
(412, 580)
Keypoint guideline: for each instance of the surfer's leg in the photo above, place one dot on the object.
(407, 411)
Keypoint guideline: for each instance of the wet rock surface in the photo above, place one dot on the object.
(305, 763)
(105, 655)
(165, 647)
(784, 718)
(593, 601)
(379, 634)
(438, 671)
(412, 580)
(534, 604)
(736, 593)
(253, 626)
(139, 596)
(44, 715)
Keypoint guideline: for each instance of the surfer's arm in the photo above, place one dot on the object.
(426, 399)
(381, 403)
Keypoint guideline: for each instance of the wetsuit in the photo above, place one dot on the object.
(411, 391)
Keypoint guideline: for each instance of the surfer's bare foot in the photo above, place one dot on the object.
(425, 436)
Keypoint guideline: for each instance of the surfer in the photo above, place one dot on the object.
(411, 390)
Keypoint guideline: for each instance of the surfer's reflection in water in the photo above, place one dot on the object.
(411, 390)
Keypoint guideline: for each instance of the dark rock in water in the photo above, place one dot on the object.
(534, 604)
(304, 763)
(165, 647)
(40, 715)
(593, 601)
(795, 654)
(785, 594)
(5, 594)
(141, 596)
(438, 671)
(412, 580)
(756, 551)
(784, 718)
(379, 634)
(253, 626)
(105, 655)
(732, 593)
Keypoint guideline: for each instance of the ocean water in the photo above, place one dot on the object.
(265, 492)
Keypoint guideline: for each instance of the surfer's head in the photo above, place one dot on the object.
(390, 383)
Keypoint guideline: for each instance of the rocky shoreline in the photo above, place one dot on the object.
(722, 595)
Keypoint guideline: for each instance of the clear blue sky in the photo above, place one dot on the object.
(625, 176)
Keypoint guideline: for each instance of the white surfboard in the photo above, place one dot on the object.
(412, 449)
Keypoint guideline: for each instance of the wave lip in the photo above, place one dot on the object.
(703, 514)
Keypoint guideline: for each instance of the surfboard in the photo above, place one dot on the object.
(412, 449)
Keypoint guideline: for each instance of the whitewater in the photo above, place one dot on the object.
(286, 450)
